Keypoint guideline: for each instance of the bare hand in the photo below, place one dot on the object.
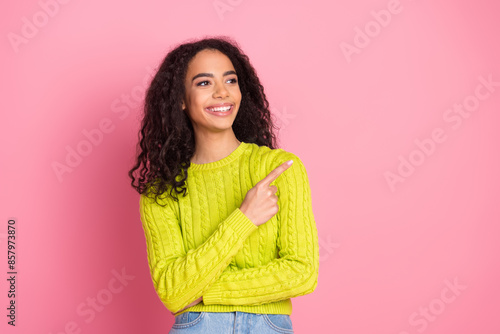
(260, 203)
(192, 304)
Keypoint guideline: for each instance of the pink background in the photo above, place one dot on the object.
(388, 252)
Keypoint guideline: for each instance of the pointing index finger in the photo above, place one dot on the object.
(276, 172)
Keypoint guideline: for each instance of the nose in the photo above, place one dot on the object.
(220, 90)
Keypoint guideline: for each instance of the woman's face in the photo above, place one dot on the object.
(211, 82)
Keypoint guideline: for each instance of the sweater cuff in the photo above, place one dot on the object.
(240, 223)
(213, 295)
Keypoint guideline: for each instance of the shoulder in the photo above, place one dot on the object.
(268, 159)
(151, 200)
(272, 156)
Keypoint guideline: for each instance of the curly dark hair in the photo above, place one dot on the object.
(168, 140)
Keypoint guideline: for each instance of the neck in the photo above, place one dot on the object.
(214, 148)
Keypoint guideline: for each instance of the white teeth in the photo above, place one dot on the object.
(220, 109)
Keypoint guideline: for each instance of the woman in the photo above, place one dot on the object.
(241, 240)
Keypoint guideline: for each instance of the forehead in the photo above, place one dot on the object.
(209, 61)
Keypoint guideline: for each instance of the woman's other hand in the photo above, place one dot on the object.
(192, 304)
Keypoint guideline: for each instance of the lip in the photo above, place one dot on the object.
(218, 113)
(220, 105)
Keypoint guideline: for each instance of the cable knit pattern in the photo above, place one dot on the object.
(191, 243)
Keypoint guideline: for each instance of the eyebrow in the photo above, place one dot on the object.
(211, 75)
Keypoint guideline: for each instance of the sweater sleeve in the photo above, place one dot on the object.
(179, 276)
(295, 272)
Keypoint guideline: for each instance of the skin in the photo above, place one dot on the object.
(214, 135)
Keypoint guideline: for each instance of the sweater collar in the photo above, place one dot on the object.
(222, 162)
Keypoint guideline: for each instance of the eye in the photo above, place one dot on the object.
(234, 80)
(200, 83)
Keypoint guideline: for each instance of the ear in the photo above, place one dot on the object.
(183, 105)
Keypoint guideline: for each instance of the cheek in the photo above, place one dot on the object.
(237, 94)
(202, 99)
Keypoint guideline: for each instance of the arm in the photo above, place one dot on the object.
(295, 272)
(179, 276)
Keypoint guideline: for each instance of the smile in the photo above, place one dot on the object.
(220, 111)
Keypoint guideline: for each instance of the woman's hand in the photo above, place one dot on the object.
(192, 304)
(260, 203)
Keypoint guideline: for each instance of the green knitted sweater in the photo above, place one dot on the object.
(204, 245)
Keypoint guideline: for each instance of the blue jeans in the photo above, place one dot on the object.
(231, 323)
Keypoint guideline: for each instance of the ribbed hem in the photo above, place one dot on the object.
(279, 307)
(240, 223)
